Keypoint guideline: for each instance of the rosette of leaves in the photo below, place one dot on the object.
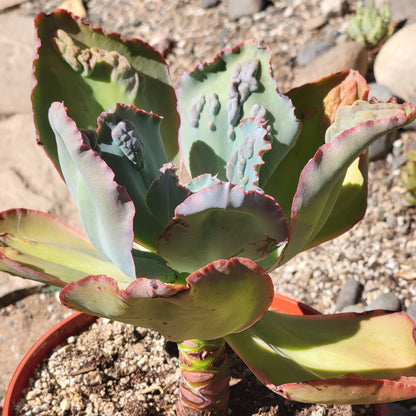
(269, 175)
(370, 26)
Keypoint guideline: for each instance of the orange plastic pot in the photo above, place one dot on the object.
(78, 321)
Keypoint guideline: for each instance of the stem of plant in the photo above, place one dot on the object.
(205, 376)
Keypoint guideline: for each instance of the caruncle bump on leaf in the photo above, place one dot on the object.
(196, 107)
(125, 136)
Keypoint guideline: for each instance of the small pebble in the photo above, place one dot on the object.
(353, 308)
(350, 294)
(65, 404)
(386, 301)
(312, 50)
(207, 4)
(316, 22)
(411, 311)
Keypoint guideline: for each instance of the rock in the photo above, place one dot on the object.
(395, 64)
(353, 308)
(16, 55)
(343, 56)
(331, 8)
(315, 22)
(382, 146)
(208, 4)
(386, 301)
(239, 8)
(7, 4)
(350, 294)
(398, 162)
(74, 6)
(13, 288)
(401, 10)
(312, 50)
(411, 311)
(379, 91)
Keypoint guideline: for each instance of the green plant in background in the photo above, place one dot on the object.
(264, 176)
(370, 26)
(408, 176)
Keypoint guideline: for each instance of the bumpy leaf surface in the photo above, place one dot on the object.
(224, 297)
(91, 71)
(215, 97)
(130, 143)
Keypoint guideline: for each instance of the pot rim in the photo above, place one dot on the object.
(71, 325)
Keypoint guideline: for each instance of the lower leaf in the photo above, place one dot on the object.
(348, 355)
(34, 245)
(223, 297)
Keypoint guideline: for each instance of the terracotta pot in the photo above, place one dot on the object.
(72, 325)
(78, 321)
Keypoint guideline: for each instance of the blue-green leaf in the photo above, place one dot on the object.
(105, 208)
(221, 222)
(130, 143)
(215, 97)
(165, 194)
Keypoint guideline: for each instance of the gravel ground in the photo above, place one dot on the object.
(198, 34)
(118, 370)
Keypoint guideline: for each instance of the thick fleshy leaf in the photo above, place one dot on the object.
(315, 105)
(246, 156)
(130, 143)
(249, 144)
(216, 96)
(37, 246)
(351, 390)
(224, 297)
(350, 204)
(221, 222)
(165, 194)
(91, 71)
(152, 266)
(290, 353)
(200, 182)
(320, 183)
(105, 207)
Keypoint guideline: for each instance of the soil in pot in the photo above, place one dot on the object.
(113, 369)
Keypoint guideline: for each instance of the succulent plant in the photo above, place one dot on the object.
(268, 176)
(370, 26)
(408, 176)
